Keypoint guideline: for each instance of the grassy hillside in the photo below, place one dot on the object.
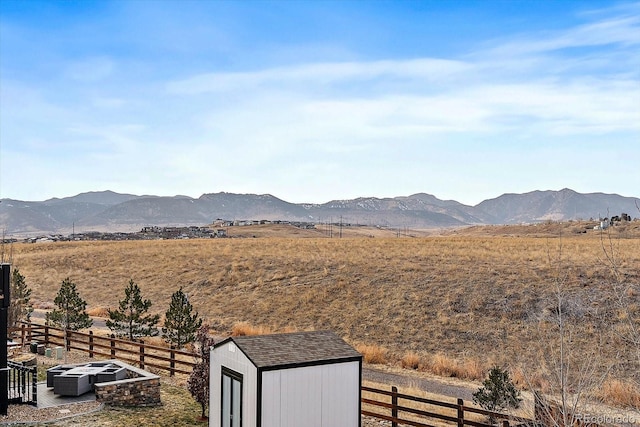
(479, 299)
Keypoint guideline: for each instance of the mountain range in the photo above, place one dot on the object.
(110, 211)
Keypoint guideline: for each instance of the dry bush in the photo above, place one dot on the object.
(245, 328)
(472, 369)
(98, 312)
(373, 353)
(157, 341)
(442, 365)
(619, 393)
(535, 381)
(411, 360)
(445, 366)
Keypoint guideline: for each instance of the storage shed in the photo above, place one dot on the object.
(302, 379)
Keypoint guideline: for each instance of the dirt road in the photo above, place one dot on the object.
(434, 386)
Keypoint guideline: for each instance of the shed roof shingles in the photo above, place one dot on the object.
(294, 348)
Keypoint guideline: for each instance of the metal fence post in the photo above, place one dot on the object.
(34, 386)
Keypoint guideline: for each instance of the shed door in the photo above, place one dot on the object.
(231, 398)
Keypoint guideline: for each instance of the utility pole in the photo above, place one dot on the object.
(331, 227)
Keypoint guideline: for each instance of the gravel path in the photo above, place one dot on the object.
(425, 384)
(373, 422)
(26, 415)
(40, 315)
(429, 385)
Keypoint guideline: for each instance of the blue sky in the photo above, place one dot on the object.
(318, 100)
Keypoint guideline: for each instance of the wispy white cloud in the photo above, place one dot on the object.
(427, 70)
(624, 31)
(509, 86)
(512, 91)
(301, 131)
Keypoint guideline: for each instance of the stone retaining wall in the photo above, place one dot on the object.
(133, 392)
(141, 390)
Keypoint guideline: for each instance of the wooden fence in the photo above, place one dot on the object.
(389, 405)
(407, 410)
(135, 352)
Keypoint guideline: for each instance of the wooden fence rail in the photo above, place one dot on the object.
(135, 352)
(421, 412)
(398, 408)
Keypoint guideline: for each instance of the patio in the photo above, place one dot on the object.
(48, 399)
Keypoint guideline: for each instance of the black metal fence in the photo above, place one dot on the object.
(23, 384)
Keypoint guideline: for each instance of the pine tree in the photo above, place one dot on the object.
(70, 314)
(198, 382)
(130, 319)
(497, 392)
(180, 325)
(21, 307)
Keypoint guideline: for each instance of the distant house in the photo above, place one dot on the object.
(304, 379)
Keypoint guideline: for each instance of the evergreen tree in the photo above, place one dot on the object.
(497, 392)
(21, 307)
(198, 382)
(70, 314)
(130, 319)
(180, 325)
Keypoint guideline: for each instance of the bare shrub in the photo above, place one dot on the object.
(245, 328)
(534, 381)
(443, 366)
(471, 369)
(619, 393)
(98, 312)
(410, 360)
(373, 353)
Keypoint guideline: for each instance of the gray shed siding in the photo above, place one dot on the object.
(312, 396)
(231, 357)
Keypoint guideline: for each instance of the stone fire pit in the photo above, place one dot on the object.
(114, 383)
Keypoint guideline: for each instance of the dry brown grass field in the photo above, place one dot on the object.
(454, 304)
